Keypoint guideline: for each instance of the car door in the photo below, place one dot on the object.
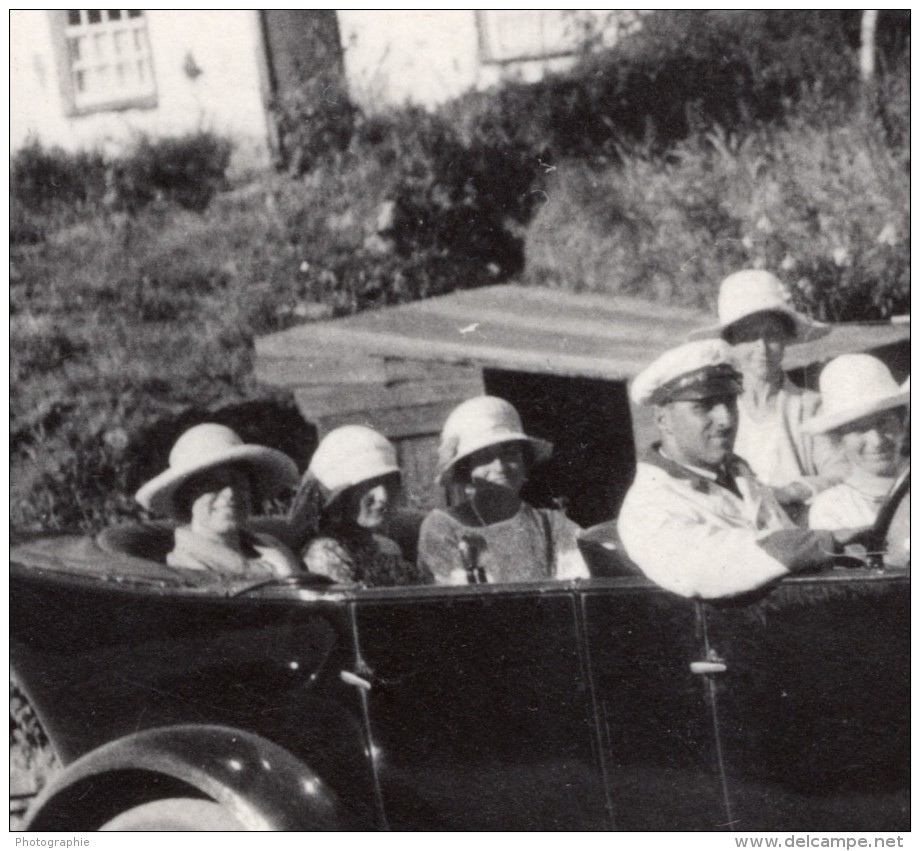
(814, 703)
(649, 666)
(106, 660)
(480, 711)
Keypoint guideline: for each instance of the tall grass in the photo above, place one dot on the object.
(824, 203)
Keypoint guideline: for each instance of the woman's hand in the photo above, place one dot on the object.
(794, 493)
(327, 557)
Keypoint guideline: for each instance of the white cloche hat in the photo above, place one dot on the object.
(480, 422)
(348, 456)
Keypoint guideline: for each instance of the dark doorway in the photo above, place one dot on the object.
(588, 421)
(302, 45)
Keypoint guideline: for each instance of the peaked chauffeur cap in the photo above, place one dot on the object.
(696, 370)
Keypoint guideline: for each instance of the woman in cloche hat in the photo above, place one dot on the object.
(494, 536)
(757, 319)
(863, 411)
(343, 503)
(210, 486)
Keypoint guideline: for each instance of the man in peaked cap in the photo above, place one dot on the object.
(696, 520)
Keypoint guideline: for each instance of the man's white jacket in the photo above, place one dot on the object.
(697, 538)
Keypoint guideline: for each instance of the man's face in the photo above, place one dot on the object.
(699, 432)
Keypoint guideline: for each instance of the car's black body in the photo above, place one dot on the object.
(593, 704)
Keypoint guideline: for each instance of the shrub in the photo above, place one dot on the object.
(187, 170)
(682, 72)
(62, 186)
(456, 201)
(49, 182)
(315, 122)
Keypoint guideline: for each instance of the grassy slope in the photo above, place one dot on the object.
(826, 206)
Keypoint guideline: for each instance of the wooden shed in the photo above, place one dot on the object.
(562, 359)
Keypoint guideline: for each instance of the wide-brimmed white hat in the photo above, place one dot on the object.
(853, 387)
(480, 422)
(210, 445)
(348, 456)
(752, 291)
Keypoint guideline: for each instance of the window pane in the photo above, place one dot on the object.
(73, 17)
(110, 64)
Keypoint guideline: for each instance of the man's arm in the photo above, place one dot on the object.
(693, 558)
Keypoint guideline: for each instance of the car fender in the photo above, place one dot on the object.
(263, 785)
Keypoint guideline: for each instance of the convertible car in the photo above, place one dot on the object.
(605, 703)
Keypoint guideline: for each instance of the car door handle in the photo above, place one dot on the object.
(353, 679)
(708, 667)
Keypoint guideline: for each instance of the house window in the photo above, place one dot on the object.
(106, 59)
(516, 35)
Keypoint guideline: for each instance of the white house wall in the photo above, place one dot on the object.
(227, 97)
(429, 56)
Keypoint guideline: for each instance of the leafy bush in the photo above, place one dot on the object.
(413, 208)
(186, 170)
(62, 186)
(681, 73)
(50, 187)
(455, 201)
(45, 180)
(315, 122)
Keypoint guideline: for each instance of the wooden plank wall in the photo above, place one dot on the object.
(406, 400)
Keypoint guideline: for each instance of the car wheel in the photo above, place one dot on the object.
(175, 814)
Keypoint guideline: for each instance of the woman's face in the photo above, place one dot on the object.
(758, 344)
(221, 500)
(500, 466)
(370, 502)
(873, 443)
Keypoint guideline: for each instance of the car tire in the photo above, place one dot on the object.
(175, 814)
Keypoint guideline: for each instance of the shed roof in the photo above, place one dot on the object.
(536, 329)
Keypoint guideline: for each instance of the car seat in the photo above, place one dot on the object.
(604, 553)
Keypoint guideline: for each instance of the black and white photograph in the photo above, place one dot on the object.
(460, 421)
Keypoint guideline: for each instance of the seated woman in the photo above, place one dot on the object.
(344, 500)
(494, 536)
(864, 412)
(212, 481)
